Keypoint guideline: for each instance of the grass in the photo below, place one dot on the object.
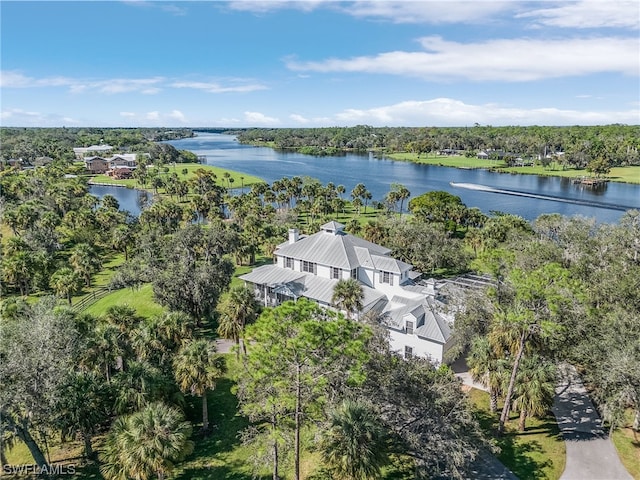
(444, 161)
(141, 299)
(536, 454)
(618, 174)
(627, 443)
(239, 179)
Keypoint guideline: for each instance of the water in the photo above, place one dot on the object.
(548, 194)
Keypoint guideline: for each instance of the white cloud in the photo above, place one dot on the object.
(257, 118)
(213, 87)
(24, 118)
(178, 115)
(164, 6)
(155, 115)
(264, 6)
(127, 114)
(14, 79)
(298, 118)
(429, 11)
(450, 112)
(588, 14)
(501, 60)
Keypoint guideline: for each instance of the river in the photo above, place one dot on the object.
(499, 192)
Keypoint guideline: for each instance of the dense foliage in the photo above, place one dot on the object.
(618, 144)
(559, 289)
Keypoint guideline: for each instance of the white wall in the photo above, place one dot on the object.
(421, 347)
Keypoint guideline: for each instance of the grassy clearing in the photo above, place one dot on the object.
(627, 442)
(141, 299)
(445, 161)
(239, 179)
(617, 174)
(536, 454)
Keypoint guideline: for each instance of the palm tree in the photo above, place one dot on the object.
(355, 445)
(83, 407)
(485, 367)
(140, 385)
(348, 296)
(85, 261)
(238, 308)
(534, 390)
(65, 282)
(197, 367)
(146, 444)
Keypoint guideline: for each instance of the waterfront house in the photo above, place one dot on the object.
(96, 165)
(311, 266)
(82, 152)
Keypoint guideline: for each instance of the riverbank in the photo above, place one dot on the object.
(617, 174)
(185, 171)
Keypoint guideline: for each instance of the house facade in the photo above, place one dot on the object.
(116, 164)
(311, 266)
(82, 152)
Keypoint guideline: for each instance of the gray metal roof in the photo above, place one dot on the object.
(432, 325)
(335, 249)
(301, 284)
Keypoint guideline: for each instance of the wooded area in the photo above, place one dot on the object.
(562, 289)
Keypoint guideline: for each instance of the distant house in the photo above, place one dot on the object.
(42, 161)
(123, 160)
(448, 152)
(96, 165)
(483, 155)
(121, 172)
(311, 266)
(82, 152)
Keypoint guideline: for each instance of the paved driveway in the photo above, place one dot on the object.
(590, 452)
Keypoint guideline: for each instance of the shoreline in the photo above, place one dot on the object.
(617, 175)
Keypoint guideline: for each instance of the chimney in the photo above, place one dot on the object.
(293, 235)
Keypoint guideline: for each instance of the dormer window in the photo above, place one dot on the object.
(335, 273)
(409, 327)
(386, 277)
(288, 262)
(354, 273)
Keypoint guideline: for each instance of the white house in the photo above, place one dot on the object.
(310, 266)
(82, 152)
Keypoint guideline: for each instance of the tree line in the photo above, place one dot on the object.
(618, 144)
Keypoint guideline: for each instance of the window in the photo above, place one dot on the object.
(386, 277)
(308, 267)
(408, 351)
(409, 327)
(288, 262)
(354, 273)
(335, 273)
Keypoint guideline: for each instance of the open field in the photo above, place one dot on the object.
(536, 454)
(617, 174)
(140, 299)
(239, 179)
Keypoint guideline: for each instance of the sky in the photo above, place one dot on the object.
(319, 63)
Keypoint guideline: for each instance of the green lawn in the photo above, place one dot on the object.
(536, 454)
(617, 174)
(239, 179)
(445, 161)
(140, 299)
(627, 442)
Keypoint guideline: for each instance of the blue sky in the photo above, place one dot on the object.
(319, 63)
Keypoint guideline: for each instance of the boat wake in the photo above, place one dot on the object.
(552, 198)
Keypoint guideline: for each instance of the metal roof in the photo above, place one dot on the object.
(331, 248)
(301, 284)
